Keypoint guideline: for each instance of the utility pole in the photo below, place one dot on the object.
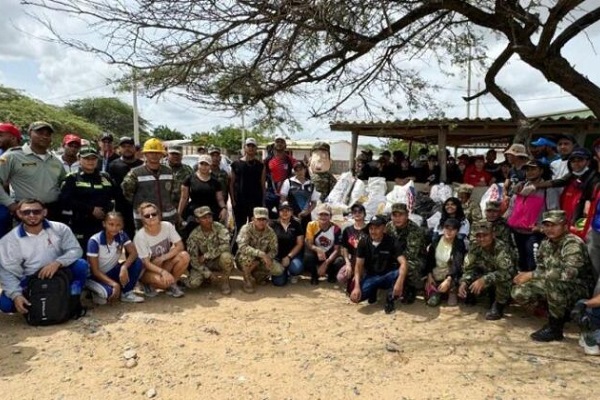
(136, 120)
(469, 82)
(243, 129)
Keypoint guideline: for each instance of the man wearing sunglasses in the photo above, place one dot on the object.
(39, 247)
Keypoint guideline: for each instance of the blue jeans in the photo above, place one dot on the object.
(6, 220)
(371, 283)
(80, 270)
(294, 269)
(105, 291)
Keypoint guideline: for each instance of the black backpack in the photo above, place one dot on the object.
(51, 300)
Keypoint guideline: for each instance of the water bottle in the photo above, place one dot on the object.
(535, 252)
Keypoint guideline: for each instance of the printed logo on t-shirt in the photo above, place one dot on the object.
(160, 248)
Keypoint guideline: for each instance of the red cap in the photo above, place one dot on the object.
(70, 138)
(10, 128)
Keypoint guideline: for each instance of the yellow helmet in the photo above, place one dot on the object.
(153, 145)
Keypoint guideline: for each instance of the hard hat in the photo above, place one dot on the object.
(153, 145)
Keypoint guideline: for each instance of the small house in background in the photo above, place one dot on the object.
(341, 151)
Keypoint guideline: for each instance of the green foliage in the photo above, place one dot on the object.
(228, 138)
(163, 132)
(110, 113)
(22, 110)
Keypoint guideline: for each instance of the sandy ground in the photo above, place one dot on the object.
(297, 342)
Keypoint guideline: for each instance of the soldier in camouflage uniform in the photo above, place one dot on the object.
(180, 171)
(499, 225)
(319, 165)
(217, 173)
(471, 208)
(208, 246)
(257, 248)
(489, 267)
(413, 238)
(563, 275)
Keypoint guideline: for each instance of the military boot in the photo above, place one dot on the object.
(225, 286)
(249, 282)
(495, 312)
(553, 331)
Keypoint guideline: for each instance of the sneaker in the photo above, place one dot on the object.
(131, 297)
(149, 291)
(99, 300)
(582, 339)
(293, 279)
(175, 291)
(372, 298)
(590, 347)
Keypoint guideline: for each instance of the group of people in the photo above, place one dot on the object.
(546, 250)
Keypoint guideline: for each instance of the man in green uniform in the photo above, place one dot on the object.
(471, 208)
(208, 246)
(489, 267)
(257, 248)
(413, 238)
(180, 171)
(499, 225)
(563, 275)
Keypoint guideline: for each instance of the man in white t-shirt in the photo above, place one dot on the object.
(161, 250)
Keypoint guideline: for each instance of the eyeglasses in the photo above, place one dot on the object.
(32, 211)
(150, 215)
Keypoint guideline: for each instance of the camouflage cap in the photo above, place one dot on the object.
(493, 206)
(176, 149)
(554, 217)
(321, 146)
(399, 207)
(202, 211)
(465, 188)
(213, 149)
(37, 125)
(260, 213)
(88, 151)
(482, 227)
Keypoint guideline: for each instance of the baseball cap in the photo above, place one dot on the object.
(554, 216)
(580, 153)
(213, 149)
(323, 209)
(493, 206)
(465, 188)
(399, 207)
(535, 164)
(107, 136)
(87, 151)
(260, 213)
(482, 227)
(517, 150)
(12, 129)
(204, 158)
(279, 137)
(126, 140)
(37, 125)
(70, 138)
(202, 211)
(452, 223)
(250, 141)
(543, 142)
(377, 220)
(299, 164)
(285, 204)
(176, 149)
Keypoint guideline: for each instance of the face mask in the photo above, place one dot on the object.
(583, 171)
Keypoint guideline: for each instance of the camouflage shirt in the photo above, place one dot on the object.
(413, 237)
(254, 244)
(324, 183)
(209, 244)
(566, 260)
(472, 211)
(180, 174)
(223, 178)
(494, 265)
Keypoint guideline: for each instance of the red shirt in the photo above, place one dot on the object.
(280, 167)
(474, 177)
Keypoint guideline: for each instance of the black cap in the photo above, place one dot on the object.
(126, 140)
(452, 223)
(107, 136)
(285, 204)
(377, 220)
(357, 206)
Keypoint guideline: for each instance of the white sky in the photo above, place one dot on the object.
(56, 74)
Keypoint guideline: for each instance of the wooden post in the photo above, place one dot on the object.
(442, 136)
(353, 150)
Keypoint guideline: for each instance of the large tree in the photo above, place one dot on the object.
(110, 113)
(251, 53)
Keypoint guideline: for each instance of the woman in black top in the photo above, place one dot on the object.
(290, 240)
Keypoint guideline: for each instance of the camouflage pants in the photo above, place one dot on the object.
(415, 274)
(198, 275)
(257, 267)
(500, 291)
(560, 295)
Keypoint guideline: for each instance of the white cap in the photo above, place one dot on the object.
(250, 141)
